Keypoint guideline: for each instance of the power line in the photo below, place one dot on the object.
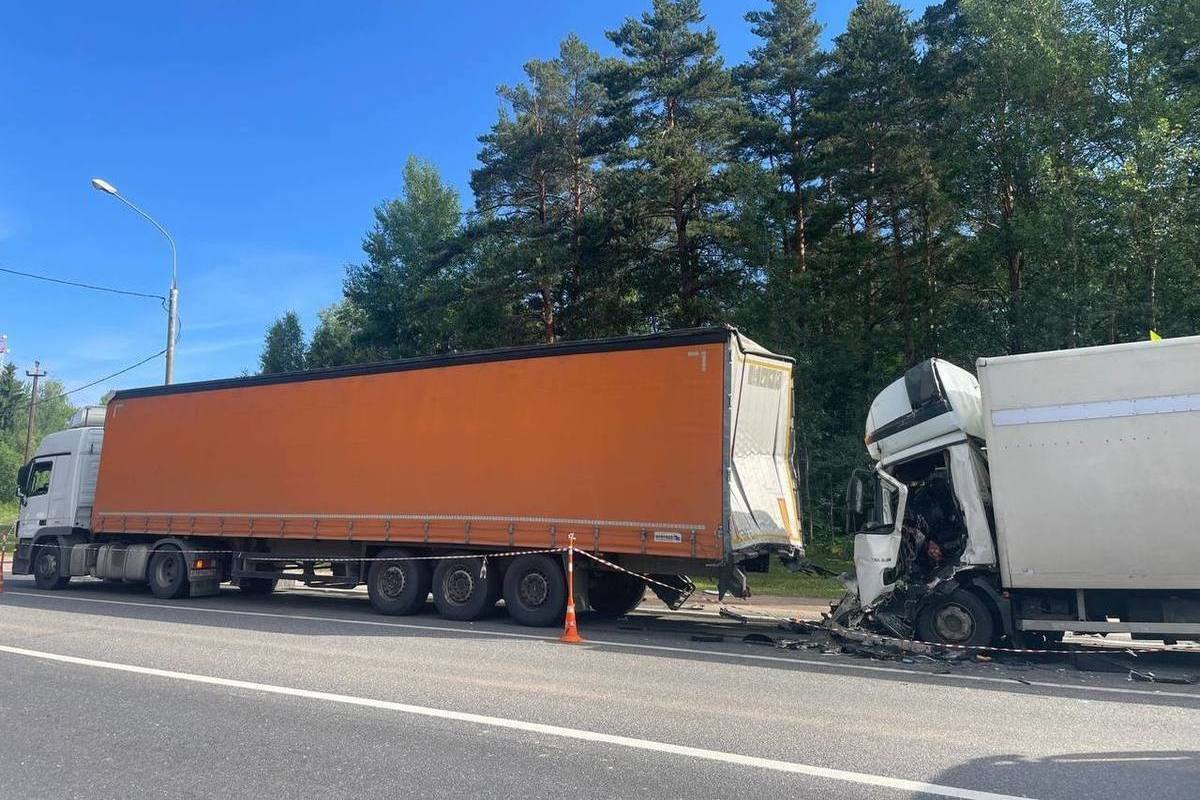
(82, 285)
(118, 373)
(108, 377)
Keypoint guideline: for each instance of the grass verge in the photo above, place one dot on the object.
(8, 515)
(780, 582)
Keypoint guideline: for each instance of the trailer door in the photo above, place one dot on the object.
(762, 486)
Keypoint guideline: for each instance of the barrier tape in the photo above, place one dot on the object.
(4, 550)
(619, 568)
(254, 556)
(828, 625)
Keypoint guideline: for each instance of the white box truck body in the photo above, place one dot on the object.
(1054, 494)
(1092, 453)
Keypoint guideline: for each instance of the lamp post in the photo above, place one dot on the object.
(101, 185)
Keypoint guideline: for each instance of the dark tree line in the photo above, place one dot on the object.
(993, 177)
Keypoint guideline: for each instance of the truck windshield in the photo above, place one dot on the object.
(39, 479)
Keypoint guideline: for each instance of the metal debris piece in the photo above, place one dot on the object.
(758, 638)
(731, 614)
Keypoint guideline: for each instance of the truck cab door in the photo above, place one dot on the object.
(35, 500)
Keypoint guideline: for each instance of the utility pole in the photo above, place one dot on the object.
(33, 395)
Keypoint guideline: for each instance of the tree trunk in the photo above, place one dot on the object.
(687, 277)
(906, 312)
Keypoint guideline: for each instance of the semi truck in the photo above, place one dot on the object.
(461, 476)
(1053, 493)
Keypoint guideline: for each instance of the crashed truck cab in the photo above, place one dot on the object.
(921, 517)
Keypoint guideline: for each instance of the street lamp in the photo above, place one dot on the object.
(101, 185)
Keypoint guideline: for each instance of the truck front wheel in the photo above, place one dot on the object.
(959, 618)
(46, 567)
(535, 590)
(398, 587)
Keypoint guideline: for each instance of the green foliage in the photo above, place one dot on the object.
(676, 111)
(992, 177)
(408, 281)
(283, 350)
(53, 412)
(334, 341)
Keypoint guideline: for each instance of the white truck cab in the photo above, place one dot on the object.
(58, 485)
(923, 513)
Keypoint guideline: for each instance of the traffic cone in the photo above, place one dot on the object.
(570, 634)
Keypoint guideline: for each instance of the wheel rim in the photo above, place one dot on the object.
(392, 585)
(953, 623)
(168, 571)
(48, 564)
(533, 589)
(459, 586)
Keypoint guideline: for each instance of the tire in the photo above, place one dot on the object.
(535, 590)
(167, 574)
(960, 618)
(398, 587)
(459, 592)
(614, 594)
(46, 565)
(257, 587)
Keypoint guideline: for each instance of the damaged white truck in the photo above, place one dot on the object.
(1055, 493)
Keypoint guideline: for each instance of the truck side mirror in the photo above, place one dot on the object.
(856, 495)
(22, 481)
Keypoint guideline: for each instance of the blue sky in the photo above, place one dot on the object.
(261, 135)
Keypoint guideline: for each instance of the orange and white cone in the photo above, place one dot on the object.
(570, 634)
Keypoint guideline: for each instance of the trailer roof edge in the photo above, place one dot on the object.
(708, 335)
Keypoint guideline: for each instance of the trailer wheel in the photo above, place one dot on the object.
(46, 567)
(257, 586)
(535, 590)
(460, 592)
(959, 618)
(614, 594)
(398, 587)
(167, 573)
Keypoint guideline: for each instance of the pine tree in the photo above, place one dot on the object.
(283, 350)
(407, 283)
(778, 85)
(536, 181)
(334, 341)
(675, 110)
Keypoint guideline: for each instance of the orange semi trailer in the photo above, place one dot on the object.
(667, 454)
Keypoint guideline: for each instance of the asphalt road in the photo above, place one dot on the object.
(109, 693)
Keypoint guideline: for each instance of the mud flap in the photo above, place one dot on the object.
(674, 590)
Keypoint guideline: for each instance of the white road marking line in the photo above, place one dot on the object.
(862, 778)
(1005, 682)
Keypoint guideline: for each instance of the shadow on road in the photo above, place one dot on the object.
(1158, 774)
